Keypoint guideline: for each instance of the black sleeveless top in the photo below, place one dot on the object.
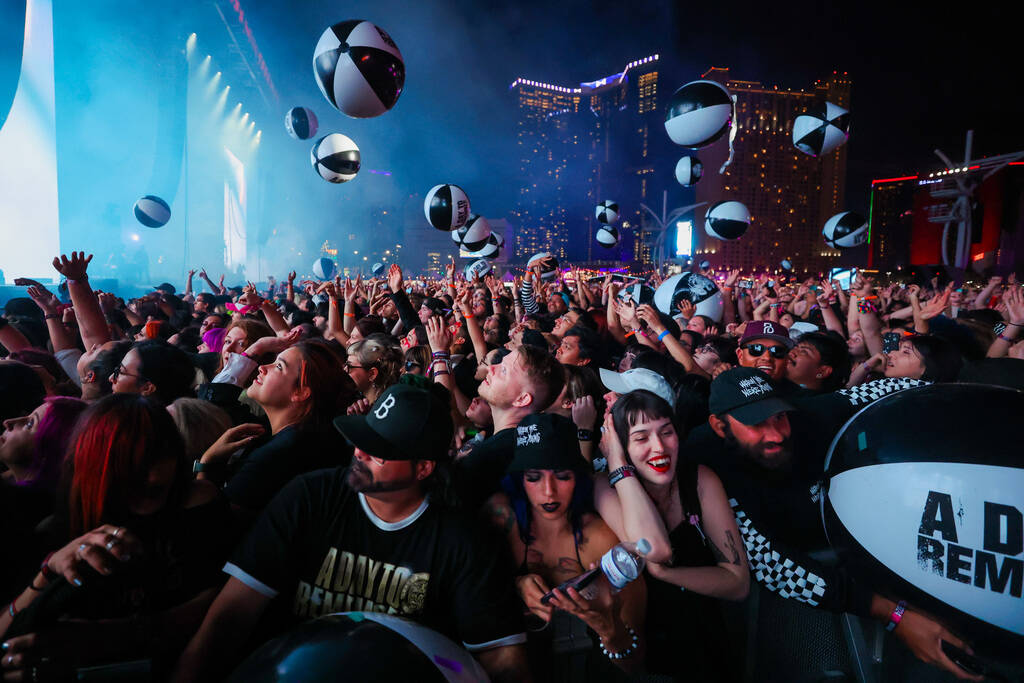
(685, 631)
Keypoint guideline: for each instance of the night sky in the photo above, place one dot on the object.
(921, 77)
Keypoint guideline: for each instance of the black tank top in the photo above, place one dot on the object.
(686, 635)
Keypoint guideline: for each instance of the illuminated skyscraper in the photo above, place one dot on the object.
(582, 144)
(790, 194)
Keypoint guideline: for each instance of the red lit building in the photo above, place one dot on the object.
(908, 217)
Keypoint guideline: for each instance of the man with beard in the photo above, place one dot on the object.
(771, 460)
(369, 538)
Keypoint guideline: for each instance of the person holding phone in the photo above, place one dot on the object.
(545, 512)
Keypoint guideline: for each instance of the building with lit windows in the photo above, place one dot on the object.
(581, 144)
(790, 195)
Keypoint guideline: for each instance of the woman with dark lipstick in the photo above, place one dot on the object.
(682, 510)
(546, 514)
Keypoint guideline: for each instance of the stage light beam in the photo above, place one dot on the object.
(190, 46)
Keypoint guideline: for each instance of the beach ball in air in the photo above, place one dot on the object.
(300, 123)
(846, 229)
(359, 68)
(607, 236)
(336, 158)
(446, 207)
(727, 220)
(473, 235)
(821, 129)
(607, 212)
(152, 211)
(688, 171)
(698, 114)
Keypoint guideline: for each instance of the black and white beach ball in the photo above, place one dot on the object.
(547, 262)
(924, 502)
(846, 229)
(473, 235)
(688, 171)
(478, 268)
(336, 158)
(152, 211)
(359, 68)
(698, 114)
(300, 123)
(726, 220)
(698, 289)
(607, 236)
(360, 646)
(491, 248)
(821, 129)
(446, 207)
(786, 264)
(378, 269)
(607, 212)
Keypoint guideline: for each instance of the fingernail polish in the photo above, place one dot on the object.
(4, 646)
(77, 582)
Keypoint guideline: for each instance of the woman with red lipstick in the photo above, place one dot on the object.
(546, 514)
(682, 510)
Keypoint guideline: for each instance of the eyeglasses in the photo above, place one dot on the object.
(350, 366)
(708, 348)
(757, 350)
(409, 365)
(120, 370)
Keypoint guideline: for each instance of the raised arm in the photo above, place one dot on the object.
(48, 303)
(828, 314)
(627, 508)
(92, 325)
(1014, 300)
(188, 283)
(981, 300)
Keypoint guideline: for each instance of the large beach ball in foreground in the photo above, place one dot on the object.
(924, 502)
(336, 158)
(727, 220)
(698, 114)
(359, 68)
(844, 230)
(446, 207)
(821, 129)
(300, 123)
(698, 289)
(152, 211)
(478, 268)
(360, 646)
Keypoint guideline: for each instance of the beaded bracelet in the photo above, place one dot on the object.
(625, 653)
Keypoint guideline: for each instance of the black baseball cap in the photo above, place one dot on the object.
(545, 441)
(747, 394)
(405, 423)
(166, 287)
(435, 305)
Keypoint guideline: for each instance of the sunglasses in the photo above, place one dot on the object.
(757, 350)
(409, 365)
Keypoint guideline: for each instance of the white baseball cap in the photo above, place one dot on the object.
(638, 378)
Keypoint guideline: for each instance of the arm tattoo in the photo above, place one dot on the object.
(730, 546)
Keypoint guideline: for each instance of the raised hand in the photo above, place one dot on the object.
(584, 413)
(202, 274)
(650, 316)
(449, 270)
(395, 278)
(191, 273)
(74, 268)
(44, 299)
(275, 345)
(437, 334)
(1014, 301)
(732, 277)
(687, 308)
(291, 277)
(936, 305)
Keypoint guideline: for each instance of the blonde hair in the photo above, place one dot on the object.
(200, 424)
(375, 352)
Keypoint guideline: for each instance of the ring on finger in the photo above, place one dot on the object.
(81, 548)
(118, 531)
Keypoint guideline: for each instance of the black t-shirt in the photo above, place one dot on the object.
(479, 474)
(323, 550)
(259, 475)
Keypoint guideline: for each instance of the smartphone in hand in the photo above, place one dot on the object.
(580, 583)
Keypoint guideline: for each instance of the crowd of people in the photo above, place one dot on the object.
(185, 476)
